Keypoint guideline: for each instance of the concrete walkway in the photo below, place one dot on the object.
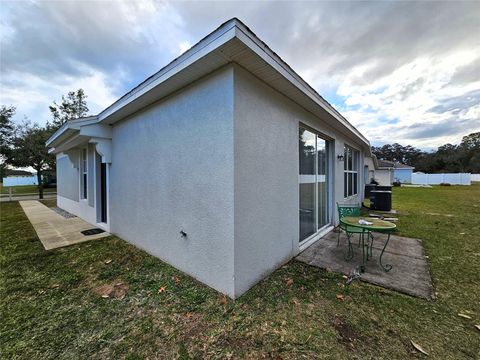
(53, 229)
(410, 273)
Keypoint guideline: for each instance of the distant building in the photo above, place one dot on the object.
(390, 171)
(14, 177)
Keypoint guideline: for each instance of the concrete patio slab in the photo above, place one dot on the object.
(53, 229)
(410, 273)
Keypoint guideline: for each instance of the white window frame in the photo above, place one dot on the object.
(355, 154)
(84, 174)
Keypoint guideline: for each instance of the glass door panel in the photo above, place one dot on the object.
(307, 145)
(313, 183)
(322, 184)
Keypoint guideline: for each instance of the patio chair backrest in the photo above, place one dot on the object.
(348, 210)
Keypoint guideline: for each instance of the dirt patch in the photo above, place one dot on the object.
(117, 290)
(347, 335)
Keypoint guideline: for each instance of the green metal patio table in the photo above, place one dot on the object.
(376, 225)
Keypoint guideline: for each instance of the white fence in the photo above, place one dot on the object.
(20, 180)
(435, 179)
(475, 177)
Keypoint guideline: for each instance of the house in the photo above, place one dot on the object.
(224, 164)
(17, 177)
(403, 173)
(389, 171)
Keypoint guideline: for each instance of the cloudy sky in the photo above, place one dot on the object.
(405, 72)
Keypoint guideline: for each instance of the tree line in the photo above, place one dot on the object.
(23, 145)
(448, 158)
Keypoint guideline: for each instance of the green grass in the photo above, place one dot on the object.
(51, 305)
(26, 189)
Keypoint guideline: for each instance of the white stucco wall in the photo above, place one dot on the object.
(172, 170)
(68, 186)
(266, 177)
(67, 178)
(266, 180)
(384, 176)
(219, 160)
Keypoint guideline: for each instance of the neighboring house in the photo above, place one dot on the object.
(390, 171)
(403, 173)
(225, 163)
(14, 177)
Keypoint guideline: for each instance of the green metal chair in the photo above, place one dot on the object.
(343, 211)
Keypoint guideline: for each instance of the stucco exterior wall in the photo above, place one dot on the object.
(67, 178)
(173, 169)
(403, 175)
(384, 177)
(266, 177)
(266, 180)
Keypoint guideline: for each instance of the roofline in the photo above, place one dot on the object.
(224, 30)
(327, 106)
(70, 124)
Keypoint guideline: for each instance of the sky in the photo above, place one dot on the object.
(406, 72)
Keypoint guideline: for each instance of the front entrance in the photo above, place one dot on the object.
(313, 183)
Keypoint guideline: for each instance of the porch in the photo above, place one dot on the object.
(410, 272)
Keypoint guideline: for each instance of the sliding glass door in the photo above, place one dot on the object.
(313, 183)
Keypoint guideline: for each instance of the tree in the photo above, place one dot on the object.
(28, 149)
(6, 134)
(469, 151)
(464, 157)
(73, 106)
(397, 153)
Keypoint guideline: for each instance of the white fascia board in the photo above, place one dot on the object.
(75, 124)
(262, 50)
(71, 143)
(201, 49)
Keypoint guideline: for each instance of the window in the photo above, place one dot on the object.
(84, 174)
(350, 174)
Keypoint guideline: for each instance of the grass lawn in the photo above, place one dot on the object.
(26, 189)
(51, 303)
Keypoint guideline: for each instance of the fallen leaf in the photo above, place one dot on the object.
(108, 261)
(289, 281)
(464, 316)
(478, 327)
(162, 289)
(223, 300)
(419, 348)
(341, 297)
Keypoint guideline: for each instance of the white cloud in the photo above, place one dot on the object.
(386, 109)
(32, 94)
(389, 68)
